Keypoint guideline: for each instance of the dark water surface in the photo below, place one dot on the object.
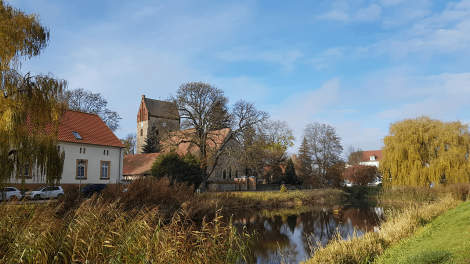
(287, 235)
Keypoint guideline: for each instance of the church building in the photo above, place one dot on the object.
(162, 115)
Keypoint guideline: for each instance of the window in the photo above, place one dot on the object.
(77, 136)
(104, 152)
(107, 152)
(24, 170)
(80, 150)
(58, 148)
(225, 175)
(236, 174)
(81, 169)
(105, 169)
(141, 132)
(84, 150)
(372, 157)
(230, 173)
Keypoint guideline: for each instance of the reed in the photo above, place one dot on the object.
(404, 194)
(101, 232)
(401, 224)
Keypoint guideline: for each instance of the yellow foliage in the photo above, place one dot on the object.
(30, 106)
(422, 151)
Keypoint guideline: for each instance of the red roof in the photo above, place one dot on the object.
(139, 164)
(90, 127)
(367, 154)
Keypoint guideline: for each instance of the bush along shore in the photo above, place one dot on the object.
(155, 221)
(422, 207)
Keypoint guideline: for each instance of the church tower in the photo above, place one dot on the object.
(161, 114)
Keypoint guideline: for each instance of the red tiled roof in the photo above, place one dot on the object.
(367, 154)
(139, 164)
(91, 128)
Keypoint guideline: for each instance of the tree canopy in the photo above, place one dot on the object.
(185, 168)
(361, 174)
(30, 106)
(323, 148)
(422, 150)
(203, 108)
(94, 103)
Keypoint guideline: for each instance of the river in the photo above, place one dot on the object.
(290, 236)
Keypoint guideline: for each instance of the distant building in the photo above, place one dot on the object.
(371, 158)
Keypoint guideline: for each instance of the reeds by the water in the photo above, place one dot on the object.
(423, 206)
(101, 232)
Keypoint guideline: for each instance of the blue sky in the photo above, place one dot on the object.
(356, 65)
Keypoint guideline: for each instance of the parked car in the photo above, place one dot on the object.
(90, 189)
(10, 193)
(45, 193)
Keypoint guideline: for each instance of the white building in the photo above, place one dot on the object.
(371, 157)
(93, 154)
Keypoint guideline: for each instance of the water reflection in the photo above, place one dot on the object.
(286, 237)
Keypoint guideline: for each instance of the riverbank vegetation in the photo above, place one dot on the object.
(423, 206)
(446, 239)
(98, 231)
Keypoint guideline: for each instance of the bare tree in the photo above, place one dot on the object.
(94, 103)
(325, 150)
(203, 109)
(130, 141)
(354, 155)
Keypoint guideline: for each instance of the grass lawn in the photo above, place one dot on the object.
(444, 240)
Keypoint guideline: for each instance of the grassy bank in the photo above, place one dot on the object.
(444, 240)
(422, 206)
(275, 199)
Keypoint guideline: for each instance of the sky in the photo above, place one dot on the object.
(357, 65)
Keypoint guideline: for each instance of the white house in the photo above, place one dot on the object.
(93, 154)
(371, 158)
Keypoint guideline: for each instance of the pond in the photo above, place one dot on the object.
(289, 236)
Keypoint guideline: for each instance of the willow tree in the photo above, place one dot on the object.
(29, 105)
(421, 151)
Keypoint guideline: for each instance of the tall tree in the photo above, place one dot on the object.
(325, 149)
(152, 142)
(305, 162)
(94, 103)
(201, 107)
(421, 150)
(278, 137)
(30, 106)
(290, 176)
(130, 141)
(354, 155)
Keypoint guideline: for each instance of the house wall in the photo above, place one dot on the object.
(370, 163)
(93, 156)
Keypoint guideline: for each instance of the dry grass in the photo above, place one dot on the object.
(275, 200)
(101, 232)
(400, 225)
(404, 194)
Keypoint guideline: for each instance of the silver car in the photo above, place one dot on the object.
(45, 193)
(10, 193)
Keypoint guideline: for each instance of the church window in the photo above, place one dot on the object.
(141, 132)
(225, 175)
(230, 173)
(156, 131)
(236, 174)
